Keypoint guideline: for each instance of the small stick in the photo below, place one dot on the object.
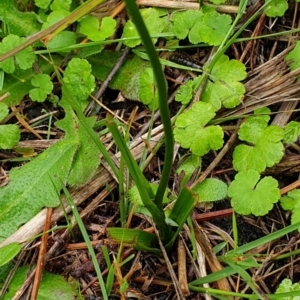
(42, 253)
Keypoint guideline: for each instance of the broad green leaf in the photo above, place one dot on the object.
(3, 110)
(23, 59)
(52, 287)
(153, 22)
(95, 30)
(78, 79)
(62, 39)
(211, 189)
(291, 132)
(19, 84)
(215, 28)
(224, 86)
(127, 79)
(9, 136)
(55, 17)
(87, 157)
(43, 85)
(251, 195)
(286, 286)
(140, 240)
(18, 23)
(190, 131)
(8, 252)
(148, 89)
(293, 58)
(276, 8)
(34, 186)
(188, 167)
(265, 149)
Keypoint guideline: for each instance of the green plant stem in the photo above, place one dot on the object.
(163, 103)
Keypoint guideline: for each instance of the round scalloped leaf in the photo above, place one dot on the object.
(43, 85)
(9, 136)
(251, 195)
(291, 132)
(211, 189)
(190, 131)
(276, 8)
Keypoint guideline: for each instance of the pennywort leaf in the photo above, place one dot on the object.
(23, 59)
(292, 202)
(276, 8)
(43, 85)
(9, 136)
(251, 195)
(78, 79)
(152, 21)
(286, 286)
(291, 132)
(224, 86)
(97, 30)
(187, 168)
(3, 111)
(293, 58)
(191, 132)
(264, 147)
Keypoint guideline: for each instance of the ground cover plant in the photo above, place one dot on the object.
(205, 118)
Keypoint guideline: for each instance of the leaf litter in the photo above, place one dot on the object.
(104, 211)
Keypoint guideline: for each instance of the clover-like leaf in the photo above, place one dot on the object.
(43, 85)
(293, 58)
(24, 59)
(276, 8)
(265, 149)
(190, 131)
(185, 92)
(96, 31)
(78, 78)
(152, 21)
(251, 195)
(224, 86)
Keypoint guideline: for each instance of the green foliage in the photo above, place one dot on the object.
(292, 202)
(31, 188)
(286, 286)
(293, 58)
(8, 252)
(10, 133)
(79, 80)
(19, 84)
(291, 132)
(211, 189)
(52, 287)
(128, 79)
(265, 148)
(187, 167)
(276, 8)
(87, 157)
(185, 92)
(148, 89)
(43, 85)
(224, 86)
(62, 39)
(18, 23)
(251, 195)
(210, 27)
(191, 132)
(23, 59)
(95, 30)
(153, 22)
